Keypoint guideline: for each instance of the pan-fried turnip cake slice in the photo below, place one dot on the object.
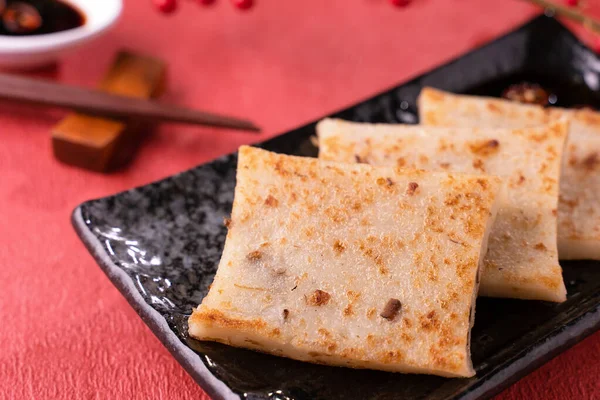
(350, 265)
(522, 260)
(579, 203)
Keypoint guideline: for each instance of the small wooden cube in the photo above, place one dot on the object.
(99, 143)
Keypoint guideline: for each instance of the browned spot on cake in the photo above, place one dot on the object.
(478, 164)
(444, 304)
(464, 267)
(371, 313)
(568, 202)
(473, 228)
(400, 162)
(554, 212)
(339, 247)
(318, 298)
(279, 168)
(391, 356)
(331, 347)
(406, 337)
(245, 217)
(411, 188)
(217, 318)
(352, 295)
(271, 201)
(446, 338)
(368, 249)
(549, 185)
(348, 310)
(337, 215)
(360, 160)
(452, 200)
(445, 165)
(353, 353)
(485, 148)
(275, 332)
(336, 170)
(227, 223)
(372, 341)
(432, 275)
(493, 107)
(572, 161)
(590, 162)
(434, 96)
(286, 314)
(309, 232)
(297, 216)
(324, 332)
(254, 255)
(356, 206)
(540, 246)
(429, 321)
(391, 309)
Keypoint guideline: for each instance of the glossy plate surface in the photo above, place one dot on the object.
(160, 245)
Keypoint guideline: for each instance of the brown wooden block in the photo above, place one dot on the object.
(100, 143)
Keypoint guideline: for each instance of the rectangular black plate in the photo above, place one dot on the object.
(160, 245)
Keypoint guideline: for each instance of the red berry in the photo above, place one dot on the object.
(166, 6)
(572, 3)
(400, 3)
(243, 4)
(596, 45)
(205, 2)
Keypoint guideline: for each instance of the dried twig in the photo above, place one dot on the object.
(570, 13)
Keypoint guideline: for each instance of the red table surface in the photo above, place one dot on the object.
(65, 331)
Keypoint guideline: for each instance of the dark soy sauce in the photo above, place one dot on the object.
(562, 92)
(38, 17)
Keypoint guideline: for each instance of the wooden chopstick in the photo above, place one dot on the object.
(104, 104)
(570, 13)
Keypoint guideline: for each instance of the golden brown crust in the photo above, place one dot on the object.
(578, 209)
(529, 161)
(309, 278)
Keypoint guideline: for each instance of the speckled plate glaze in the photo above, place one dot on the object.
(160, 245)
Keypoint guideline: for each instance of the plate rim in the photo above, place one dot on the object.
(186, 357)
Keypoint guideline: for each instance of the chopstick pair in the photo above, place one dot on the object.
(89, 101)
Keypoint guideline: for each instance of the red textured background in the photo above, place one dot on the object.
(65, 331)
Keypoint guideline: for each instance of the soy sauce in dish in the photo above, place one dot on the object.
(37, 17)
(555, 90)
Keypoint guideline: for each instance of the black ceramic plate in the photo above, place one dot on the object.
(160, 245)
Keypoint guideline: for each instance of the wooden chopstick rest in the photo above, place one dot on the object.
(101, 144)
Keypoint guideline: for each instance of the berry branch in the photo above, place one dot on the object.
(571, 11)
(170, 6)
